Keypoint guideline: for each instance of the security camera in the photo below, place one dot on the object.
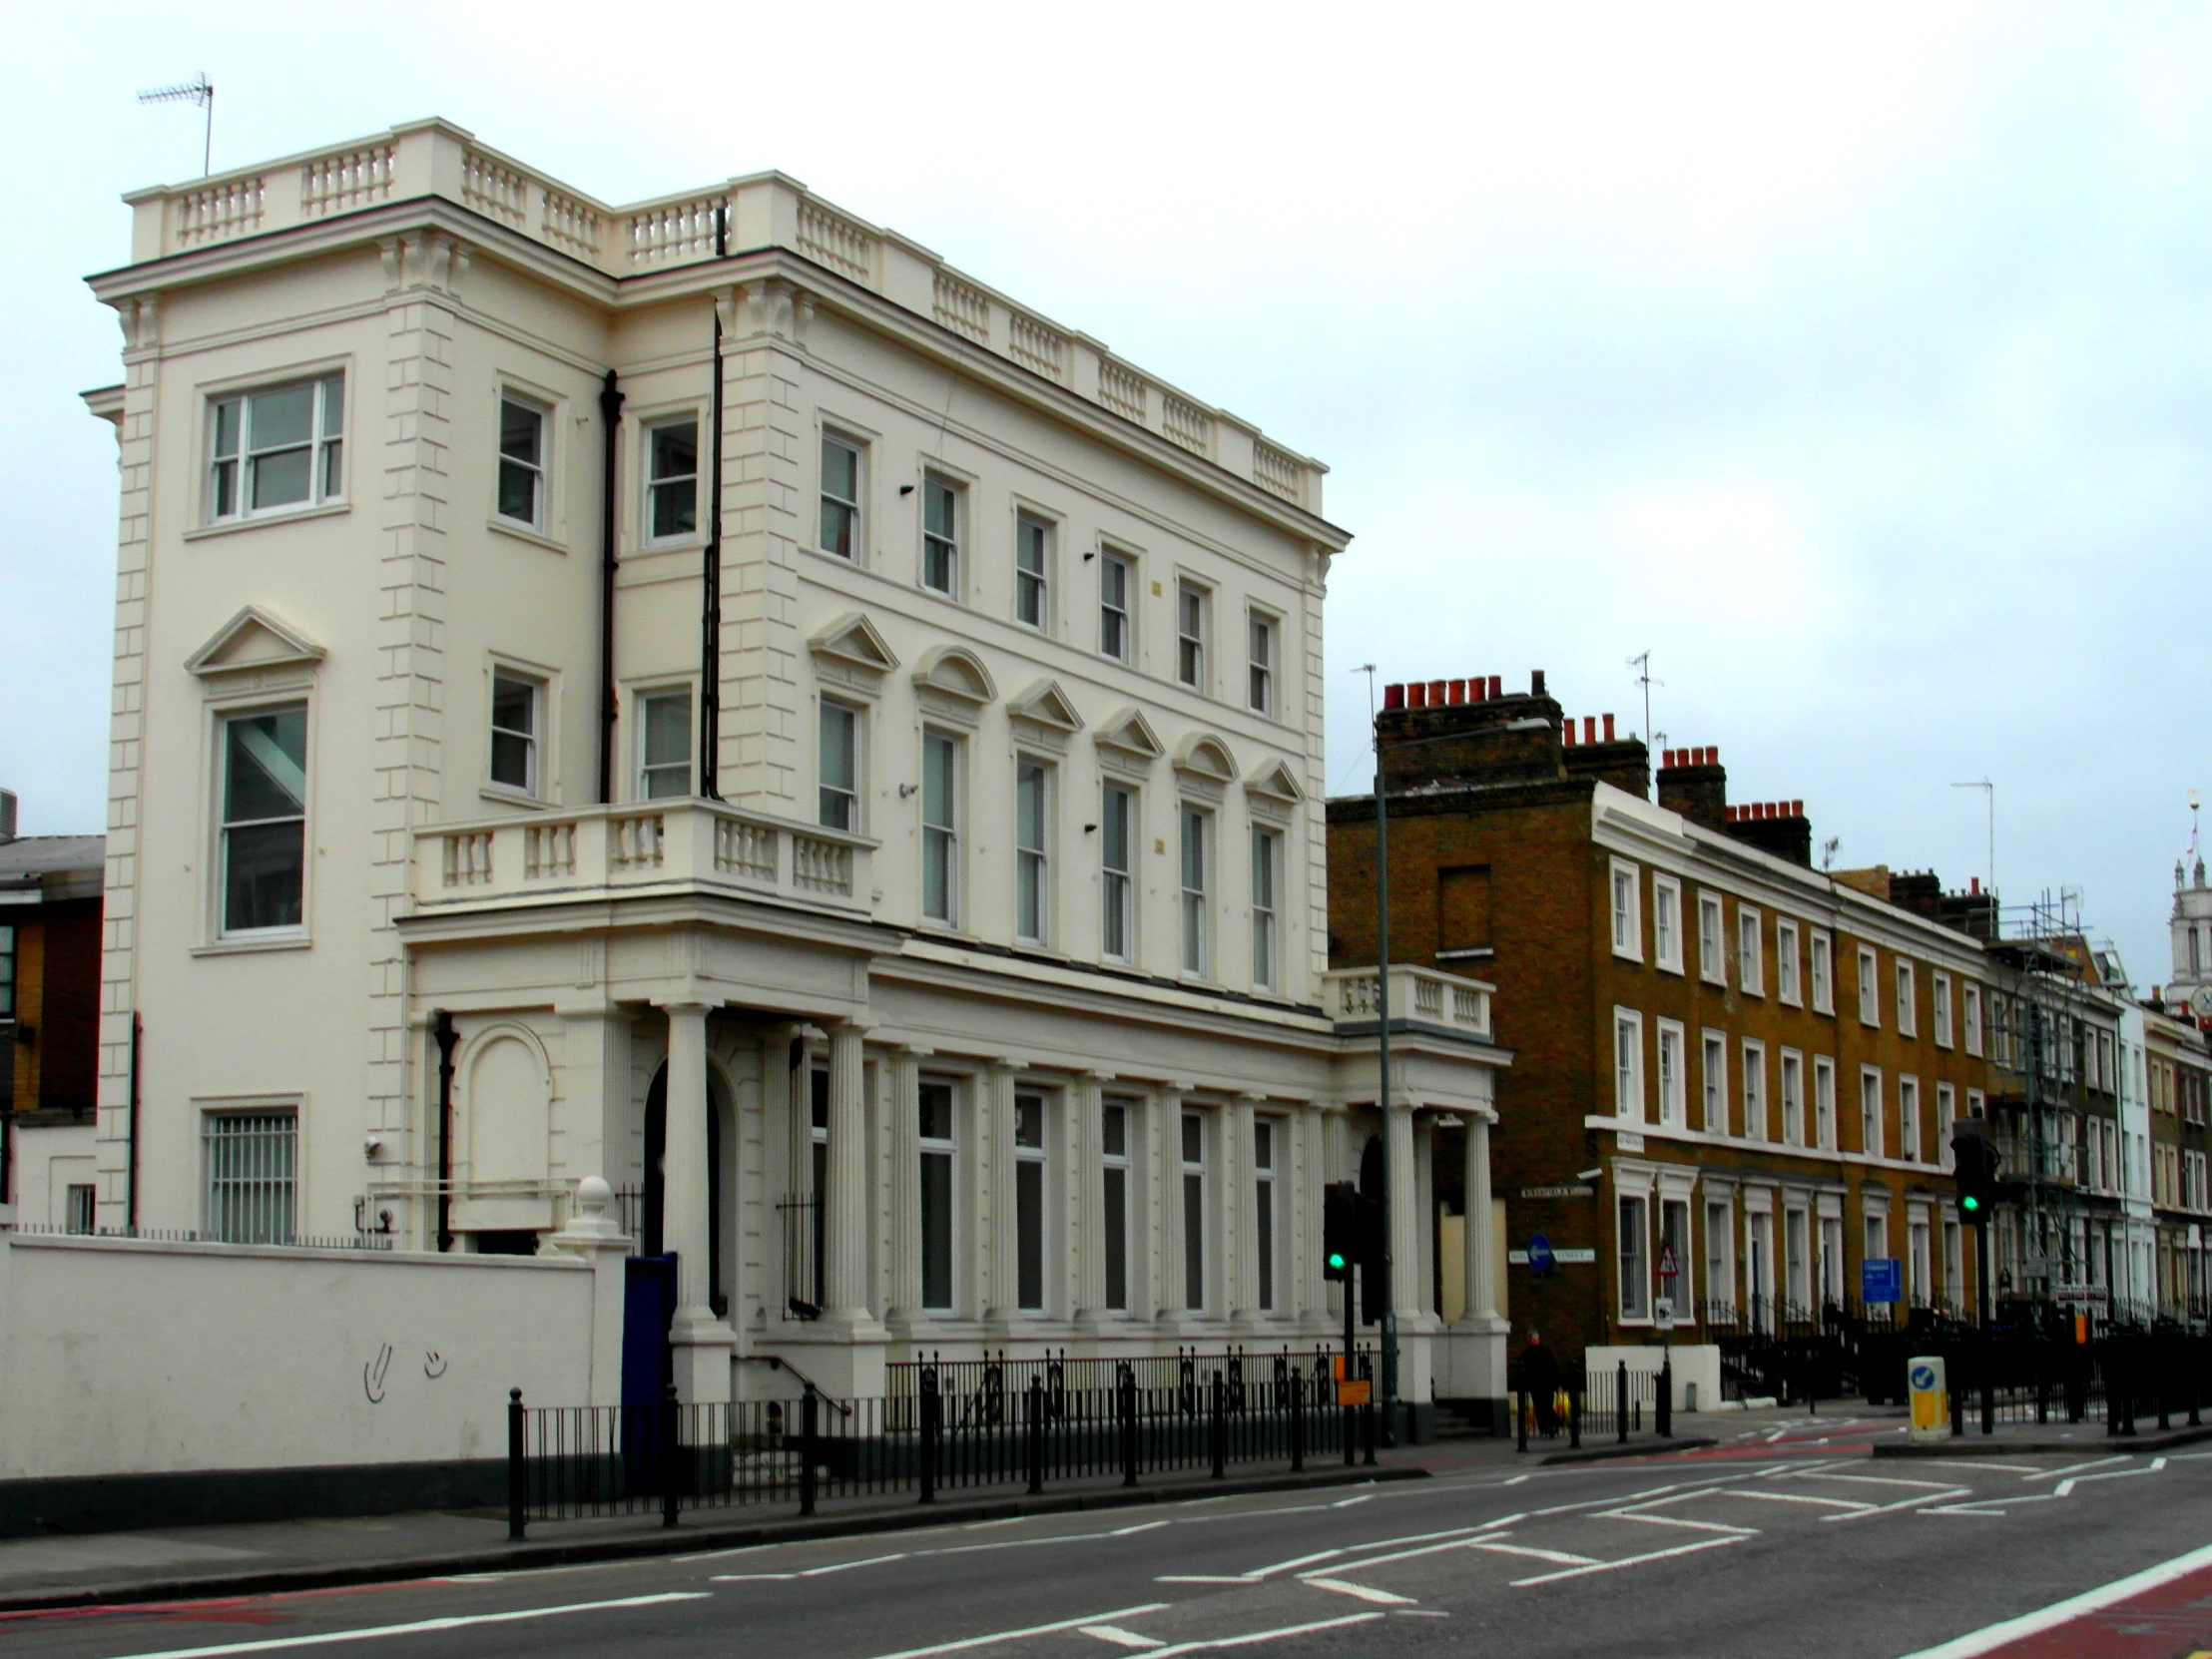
(372, 1148)
(1588, 1174)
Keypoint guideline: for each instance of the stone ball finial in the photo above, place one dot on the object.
(593, 1194)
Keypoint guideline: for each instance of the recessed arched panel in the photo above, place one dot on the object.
(509, 1107)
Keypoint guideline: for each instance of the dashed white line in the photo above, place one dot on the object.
(1119, 1637)
(1630, 1561)
(1365, 1593)
(1000, 1635)
(1250, 1638)
(1535, 1554)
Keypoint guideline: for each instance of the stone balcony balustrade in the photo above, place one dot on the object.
(1420, 994)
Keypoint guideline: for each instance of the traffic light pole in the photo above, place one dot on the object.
(1389, 1381)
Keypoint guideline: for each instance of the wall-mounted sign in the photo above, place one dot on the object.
(1572, 1191)
(1630, 1140)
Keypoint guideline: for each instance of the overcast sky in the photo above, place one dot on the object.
(1859, 368)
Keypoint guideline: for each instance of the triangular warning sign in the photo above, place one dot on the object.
(1667, 1267)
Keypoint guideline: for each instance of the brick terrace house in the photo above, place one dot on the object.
(49, 1009)
(1728, 1064)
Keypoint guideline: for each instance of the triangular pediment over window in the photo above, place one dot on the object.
(254, 642)
(853, 640)
(956, 672)
(1276, 782)
(1130, 734)
(1045, 704)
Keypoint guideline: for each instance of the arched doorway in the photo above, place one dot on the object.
(652, 1221)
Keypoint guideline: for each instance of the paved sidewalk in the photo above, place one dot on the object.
(195, 1562)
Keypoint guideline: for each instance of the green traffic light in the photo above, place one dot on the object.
(1970, 1203)
(1336, 1259)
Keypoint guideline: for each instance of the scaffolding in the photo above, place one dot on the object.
(2062, 1240)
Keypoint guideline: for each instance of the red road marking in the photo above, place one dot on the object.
(2173, 1620)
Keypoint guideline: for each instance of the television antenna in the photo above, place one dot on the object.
(199, 91)
(1641, 663)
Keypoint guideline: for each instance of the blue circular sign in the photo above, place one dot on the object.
(1539, 1253)
(1923, 1378)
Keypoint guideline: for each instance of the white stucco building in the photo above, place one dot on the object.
(864, 802)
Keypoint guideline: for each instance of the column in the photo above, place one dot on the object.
(1424, 1195)
(1002, 1285)
(1405, 1219)
(1480, 1246)
(1146, 1218)
(1168, 1287)
(906, 1143)
(845, 1241)
(595, 1090)
(1085, 1186)
(701, 1343)
(1239, 1212)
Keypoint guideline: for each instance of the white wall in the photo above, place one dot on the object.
(149, 1358)
(1693, 1362)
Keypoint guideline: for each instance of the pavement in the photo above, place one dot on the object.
(1783, 1538)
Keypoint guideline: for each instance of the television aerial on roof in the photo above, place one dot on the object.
(199, 91)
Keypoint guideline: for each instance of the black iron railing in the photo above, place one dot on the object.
(669, 1457)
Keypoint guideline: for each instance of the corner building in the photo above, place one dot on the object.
(1725, 1062)
(706, 695)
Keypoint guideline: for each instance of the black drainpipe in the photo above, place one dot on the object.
(610, 413)
(131, 1146)
(709, 612)
(444, 1031)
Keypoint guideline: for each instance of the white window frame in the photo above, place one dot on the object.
(1910, 1139)
(856, 525)
(1037, 1155)
(854, 791)
(1627, 911)
(1194, 841)
(1872, 1140)
(1684, 1294)
(1666, 923)
(268, 1181)
(1628, 1066)
(1940, 1000)
(948, 544)
(538, 471)
(1673, 1061)
(942, 842)
(1720, 1252)
(1793, 1098)
(1971, 1018)
(1824, 970)
(1194, 1208)
(327, 449)
(1039, 536)
(1712, 939)
(1263, 657)
(1947, 1114)
(1118, 886)
(1116, 568)
(1267, 1213)
(1787, 963)
(1713, 1080)
(1869, 987)
(653, 483)
(646, 768)
(533, 738)
(1824, 1131)
(1756, 1123)
(1033, 862)
(224, 825)
(1267, 908)
(1194, 618)
(1906, 977)
(1113, 1162)
(1751, 963)
(946, 1147)
(1632, 1222)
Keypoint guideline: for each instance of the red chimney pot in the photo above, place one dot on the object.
(1498, 685)
(1589, 728)
(1457, 690)
(1394, 697)
(1608, 728)
(1567, 731)
(1797, 808)
(1435, 694)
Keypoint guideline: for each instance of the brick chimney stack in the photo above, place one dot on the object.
(1693, 781)
(1777, 826)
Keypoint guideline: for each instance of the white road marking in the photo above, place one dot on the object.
(1880, 1480)
(1364, 1592)
(1797, 1497)
(1985, 1464)
(834, 1566)
(1404, 1555)
(1348, 1502)
(2064, 1488)
(1539, 1554)
(1677, 1520)
(1141, 1526)
(1632, 1561)
(1961, 1509)
(2060, 1612)
(1252, 1577)
(457, 1622)
(2076, 1468)
(1006, 1635)
(1913, 1502)
(1248, 1639)
(1515, 1482)
(1118, 1636)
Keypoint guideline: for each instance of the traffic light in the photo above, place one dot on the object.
(1340, 1230)
(1975, 1168)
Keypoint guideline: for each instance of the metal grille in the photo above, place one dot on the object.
(250, 1183)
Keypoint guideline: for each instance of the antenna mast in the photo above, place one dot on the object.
(199, 91)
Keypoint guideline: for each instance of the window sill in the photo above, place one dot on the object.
(514, 797)
(1468, 953)
(250, 946)
(262, 521)
(524, 532)
(670, 544)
